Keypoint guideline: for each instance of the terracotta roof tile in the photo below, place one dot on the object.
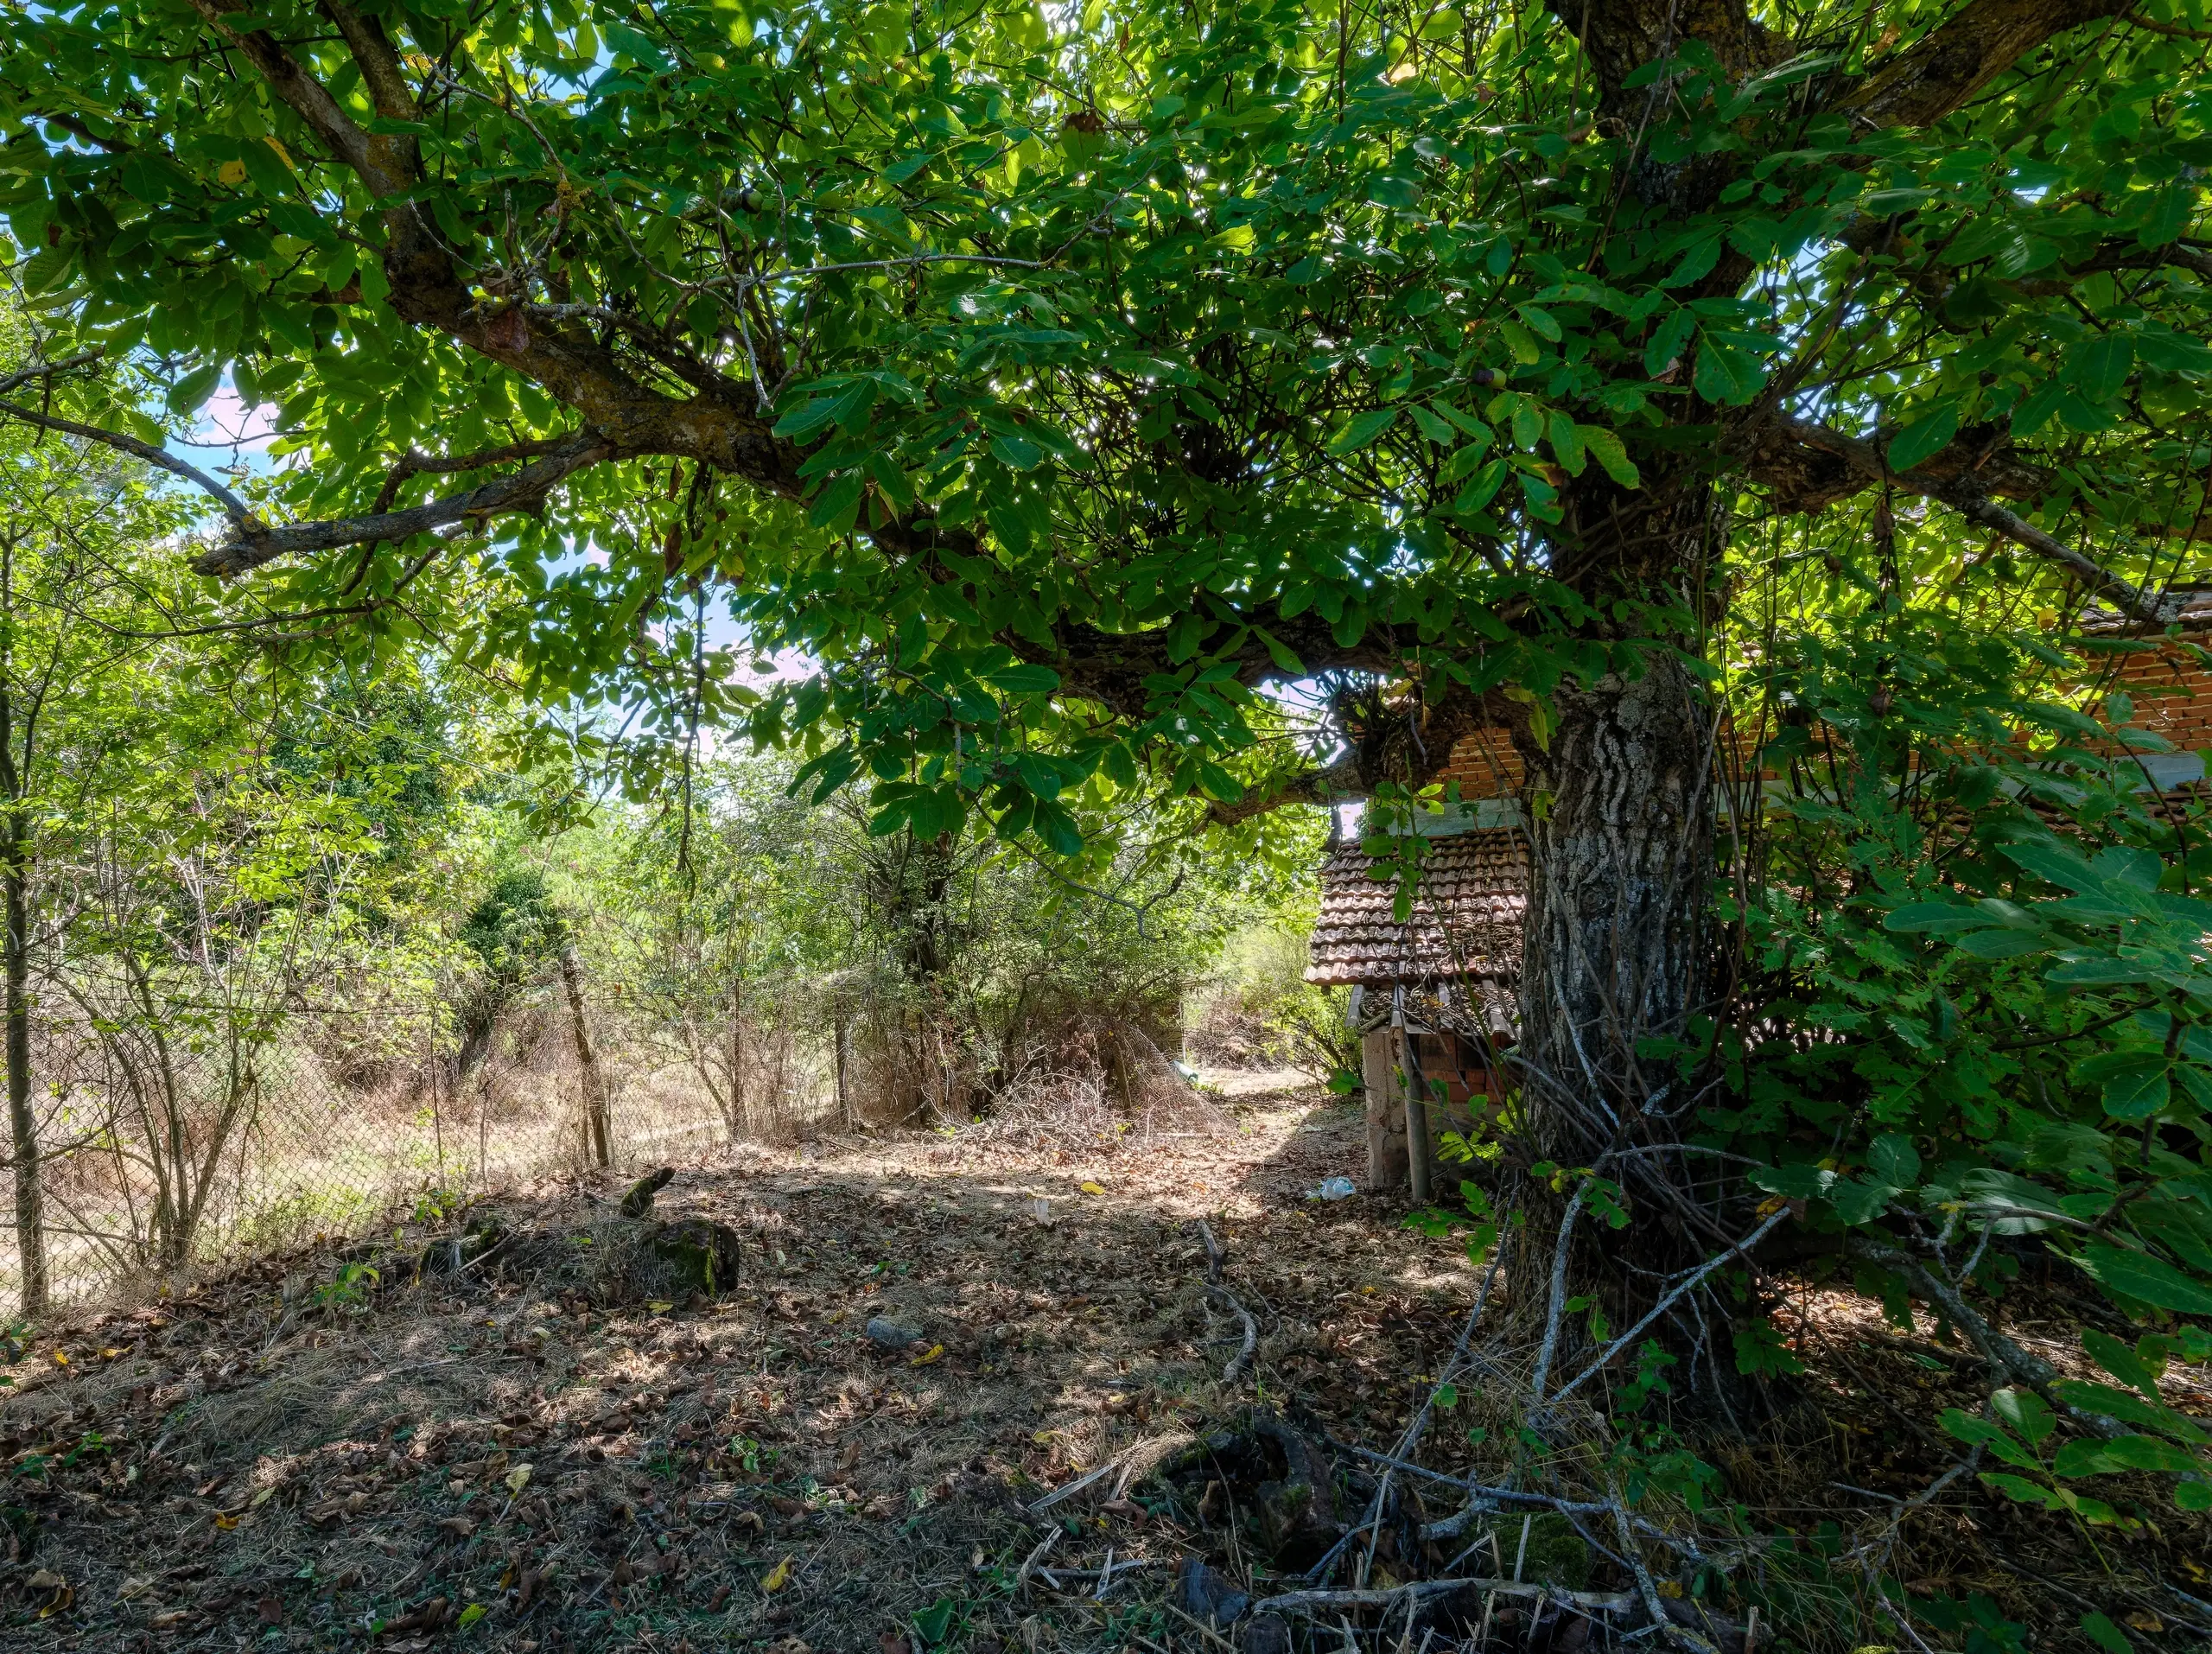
(1465, 921)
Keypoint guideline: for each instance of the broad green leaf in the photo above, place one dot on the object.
(1925, 437)
(2140, 1091)
(2147, 1280)
(1607, 449)
(1023, 680)
(1521, 341)
(1436, 428)
(1363, 429)
(1892, 1158)
(2101, 368)
(2001, 945)
(1727, 376)
(2106, 1635)
(1934, 917)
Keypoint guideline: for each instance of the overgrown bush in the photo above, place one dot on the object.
(771, 943)
(1256, 1009)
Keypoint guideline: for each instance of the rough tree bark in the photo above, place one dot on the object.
(22, 1123)
(1615, 951)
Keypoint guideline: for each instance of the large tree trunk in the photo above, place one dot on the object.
(1617, 950)
(1621, 838)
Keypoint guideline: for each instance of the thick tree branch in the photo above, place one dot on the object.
(1967, 493)
(48, 370)
(523, 491)
(1937, 74)
(1321, 785)
(1622, 35)
(2130, 600)
(385, 165)
(2173, 31)
(241, 515)
(715, 428)
(1806, 468)
(417, 463)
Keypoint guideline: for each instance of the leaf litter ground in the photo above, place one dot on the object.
(531, 1455)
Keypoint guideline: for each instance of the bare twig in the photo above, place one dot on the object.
(1966, 497)
(1069, 1490)
(1660, 1308)
(1241, 1362)
(1203, 1629)
(2003, 1355)
(1029, 1562)
(1372, 1524)
(1310, 1602)
(48, 370)
(1680, 1635)
(1558, 1306)
(241, 515)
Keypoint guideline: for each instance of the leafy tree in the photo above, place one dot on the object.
(1057, 391)
(73, 695)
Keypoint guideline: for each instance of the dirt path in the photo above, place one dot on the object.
(535, 1455)
(756, 1469)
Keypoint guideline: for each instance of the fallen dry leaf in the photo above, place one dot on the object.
(778, 1577)
(517, 1478)
(270, 1610)
(934, 1352)
(428, 1617)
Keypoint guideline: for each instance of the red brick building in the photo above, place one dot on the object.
(1435, 993)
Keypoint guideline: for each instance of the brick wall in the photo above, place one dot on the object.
(2172, 695)
(1485, 766)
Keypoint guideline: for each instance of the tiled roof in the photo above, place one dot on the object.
(1465, 921)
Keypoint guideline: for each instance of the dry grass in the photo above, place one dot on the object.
(239, 1465)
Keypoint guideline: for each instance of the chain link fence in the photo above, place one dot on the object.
(163, 1149)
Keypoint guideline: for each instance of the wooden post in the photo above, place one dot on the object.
(1416, 1092)
(844, 1101)
(595, 1141)
(1386, 1119)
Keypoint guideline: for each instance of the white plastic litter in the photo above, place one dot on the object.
(1333, 1188)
